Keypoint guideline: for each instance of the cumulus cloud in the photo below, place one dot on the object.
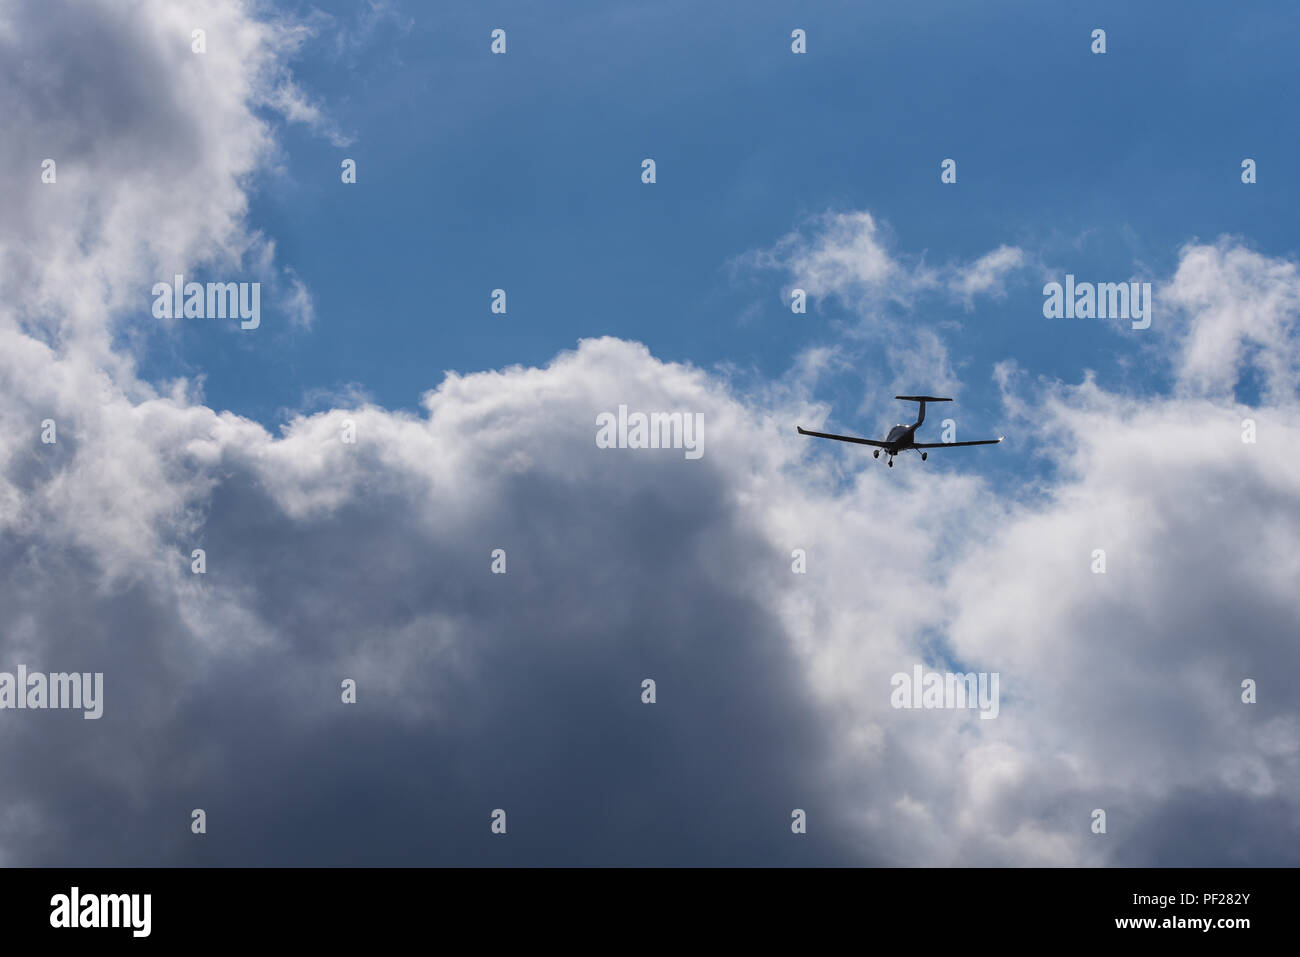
(1239, 312)
(329, 559)
(78, 250)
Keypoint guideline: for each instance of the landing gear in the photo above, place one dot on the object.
(875, 453)
(924, 456)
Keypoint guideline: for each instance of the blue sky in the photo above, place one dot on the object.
(522, 172)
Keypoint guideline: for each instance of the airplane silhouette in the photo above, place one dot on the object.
(900, 437)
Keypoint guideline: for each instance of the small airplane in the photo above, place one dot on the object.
(900, 437)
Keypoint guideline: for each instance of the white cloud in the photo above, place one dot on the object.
(846, 255)
(986, 275)
(1239, 310)
(1103, 677)
(93, 242)
(850, 256)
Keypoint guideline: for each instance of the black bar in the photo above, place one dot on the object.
(671, 907)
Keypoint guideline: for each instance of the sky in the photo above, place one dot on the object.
(350, 467)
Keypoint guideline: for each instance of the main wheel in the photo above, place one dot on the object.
(924, 456)
(875, 453)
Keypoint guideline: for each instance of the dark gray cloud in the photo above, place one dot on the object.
(476, 691)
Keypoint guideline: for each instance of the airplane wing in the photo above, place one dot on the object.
(945, 445)
(842, 438)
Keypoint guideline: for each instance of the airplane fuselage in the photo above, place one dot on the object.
(901, 437)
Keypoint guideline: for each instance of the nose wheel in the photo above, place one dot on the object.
(891, 463)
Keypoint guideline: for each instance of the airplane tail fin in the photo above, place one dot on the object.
(923, 399)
